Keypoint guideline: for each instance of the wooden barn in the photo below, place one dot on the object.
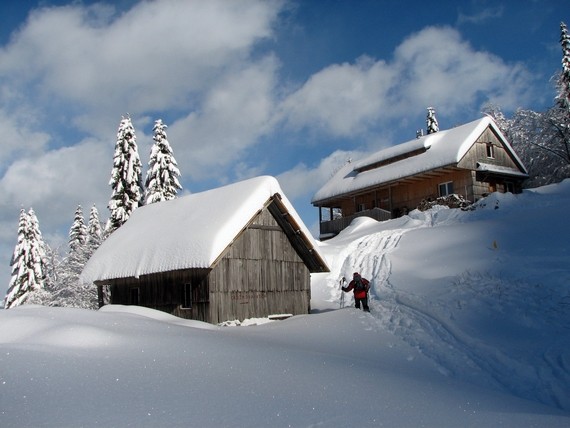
(471, 160)
(236, 252)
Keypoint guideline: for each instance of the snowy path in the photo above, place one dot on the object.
(429, 326)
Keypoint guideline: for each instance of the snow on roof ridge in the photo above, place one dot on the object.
(187, 232)
(425, 141)
(443, 148)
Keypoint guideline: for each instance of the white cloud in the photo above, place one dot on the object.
(303, 181)
(157, 55)
(53, 179)
(482, 15)
(92, 64)
(236, 111)
(432, 67)
(440, 68)
(53, 184)
(18, 139)
(341, 99)
(82, 67)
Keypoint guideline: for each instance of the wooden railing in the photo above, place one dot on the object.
(331, 228)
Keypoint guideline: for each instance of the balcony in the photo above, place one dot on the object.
(331, 228)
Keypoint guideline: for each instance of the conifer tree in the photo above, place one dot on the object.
(126, 176)
(77, 232)
(162, 182)
(77, 255)
(431, 121)
(563, 97)
(94, 229)
(27, 261)
(66, 290)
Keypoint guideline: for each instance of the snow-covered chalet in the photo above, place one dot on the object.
(236, 252)
(470, 160)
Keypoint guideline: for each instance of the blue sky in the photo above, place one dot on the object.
(285, 88)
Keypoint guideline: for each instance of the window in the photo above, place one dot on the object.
(361, 207)
(446, 188)
(336, 213)
(135, 295)
(490, 151)
(187, 296)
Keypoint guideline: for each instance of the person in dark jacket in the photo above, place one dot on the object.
(360, 286)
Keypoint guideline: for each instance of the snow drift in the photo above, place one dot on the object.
(469, 327)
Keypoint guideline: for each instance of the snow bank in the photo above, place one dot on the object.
(469, 327)
(305, 371)
(484, 293)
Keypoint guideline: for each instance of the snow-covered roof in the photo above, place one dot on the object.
(184, 233)
(500, 169)
(432, 151)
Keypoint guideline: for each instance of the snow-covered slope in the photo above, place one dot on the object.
(469, 327)
(485, 293)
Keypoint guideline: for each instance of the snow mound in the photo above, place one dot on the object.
(155, 315)
(483, 293)
(469, 327)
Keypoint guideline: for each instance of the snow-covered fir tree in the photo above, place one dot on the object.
(63, 288)
(431, 121)
(77, 254)
(162, 182)
(27, 261)
(19, 264)
(126, 177)
(78, 231)
(563, 96)
(94, 230)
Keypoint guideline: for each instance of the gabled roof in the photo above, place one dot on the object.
(429, 152)
(192, 231)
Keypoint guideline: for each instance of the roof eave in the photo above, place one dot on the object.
(382, 184)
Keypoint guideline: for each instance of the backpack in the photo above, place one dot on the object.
(359, 285)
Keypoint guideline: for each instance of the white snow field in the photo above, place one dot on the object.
(469, 327)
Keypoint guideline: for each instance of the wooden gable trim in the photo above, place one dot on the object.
(504, 155)
(502, 141)
(509, 150)
(302, 245)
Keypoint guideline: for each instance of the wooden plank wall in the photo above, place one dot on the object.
(501, 157)
(164, 292)
(260, 275)
(410, 195)
(478, 153)
(407, 196)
